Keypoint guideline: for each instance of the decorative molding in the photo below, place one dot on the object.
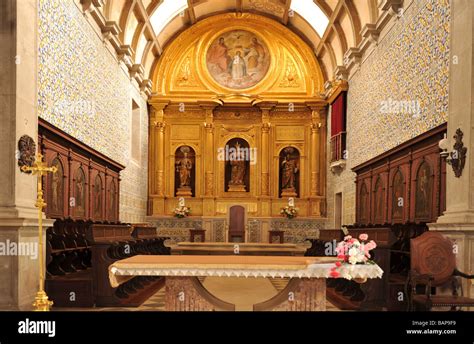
(370, 35)
(110, 32)
(334, 89)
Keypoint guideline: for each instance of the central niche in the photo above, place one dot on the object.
(237, 165)
(238, 59)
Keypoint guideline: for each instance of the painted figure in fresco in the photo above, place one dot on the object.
(238, 59)
(289, 169)
(255, 53)
(238, 70)
(218, 55)
(184, 167)
(238, 167)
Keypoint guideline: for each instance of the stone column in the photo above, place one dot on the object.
(457, 221)
(18, 117)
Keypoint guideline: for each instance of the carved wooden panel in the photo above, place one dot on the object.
(398, 195)
(423, 191)
(79, 199)
(406, 184)
(364, 214)
(432, 253)
(86, 185)
(379, 201)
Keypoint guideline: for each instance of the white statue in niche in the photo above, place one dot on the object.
(181, 202)
(291, 202)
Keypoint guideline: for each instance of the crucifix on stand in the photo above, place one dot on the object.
(40, 169)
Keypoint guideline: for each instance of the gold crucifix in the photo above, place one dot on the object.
(40, 169)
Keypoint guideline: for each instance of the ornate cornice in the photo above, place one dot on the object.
(111, 33)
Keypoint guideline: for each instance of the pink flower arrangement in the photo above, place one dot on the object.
(353, 251)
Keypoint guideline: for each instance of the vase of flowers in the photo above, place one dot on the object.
(353, 251)
(289, 211)
(181, 211)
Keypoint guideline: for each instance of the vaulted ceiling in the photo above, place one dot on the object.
(330, 27)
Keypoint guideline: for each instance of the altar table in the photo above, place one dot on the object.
(228, 248)
(306, 290)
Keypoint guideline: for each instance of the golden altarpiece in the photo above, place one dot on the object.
(237, 83)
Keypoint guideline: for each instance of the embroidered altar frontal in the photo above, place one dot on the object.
(184, 292)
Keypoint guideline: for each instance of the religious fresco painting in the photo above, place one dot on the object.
(238, 59)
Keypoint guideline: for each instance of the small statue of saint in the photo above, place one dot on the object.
(237, 174)
(184, 167)
(289, 168)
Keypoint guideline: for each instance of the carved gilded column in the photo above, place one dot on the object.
(265, 173)
(264, 157)
(160, 155)
(209, 160)
(157, 157)
(315, 165)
